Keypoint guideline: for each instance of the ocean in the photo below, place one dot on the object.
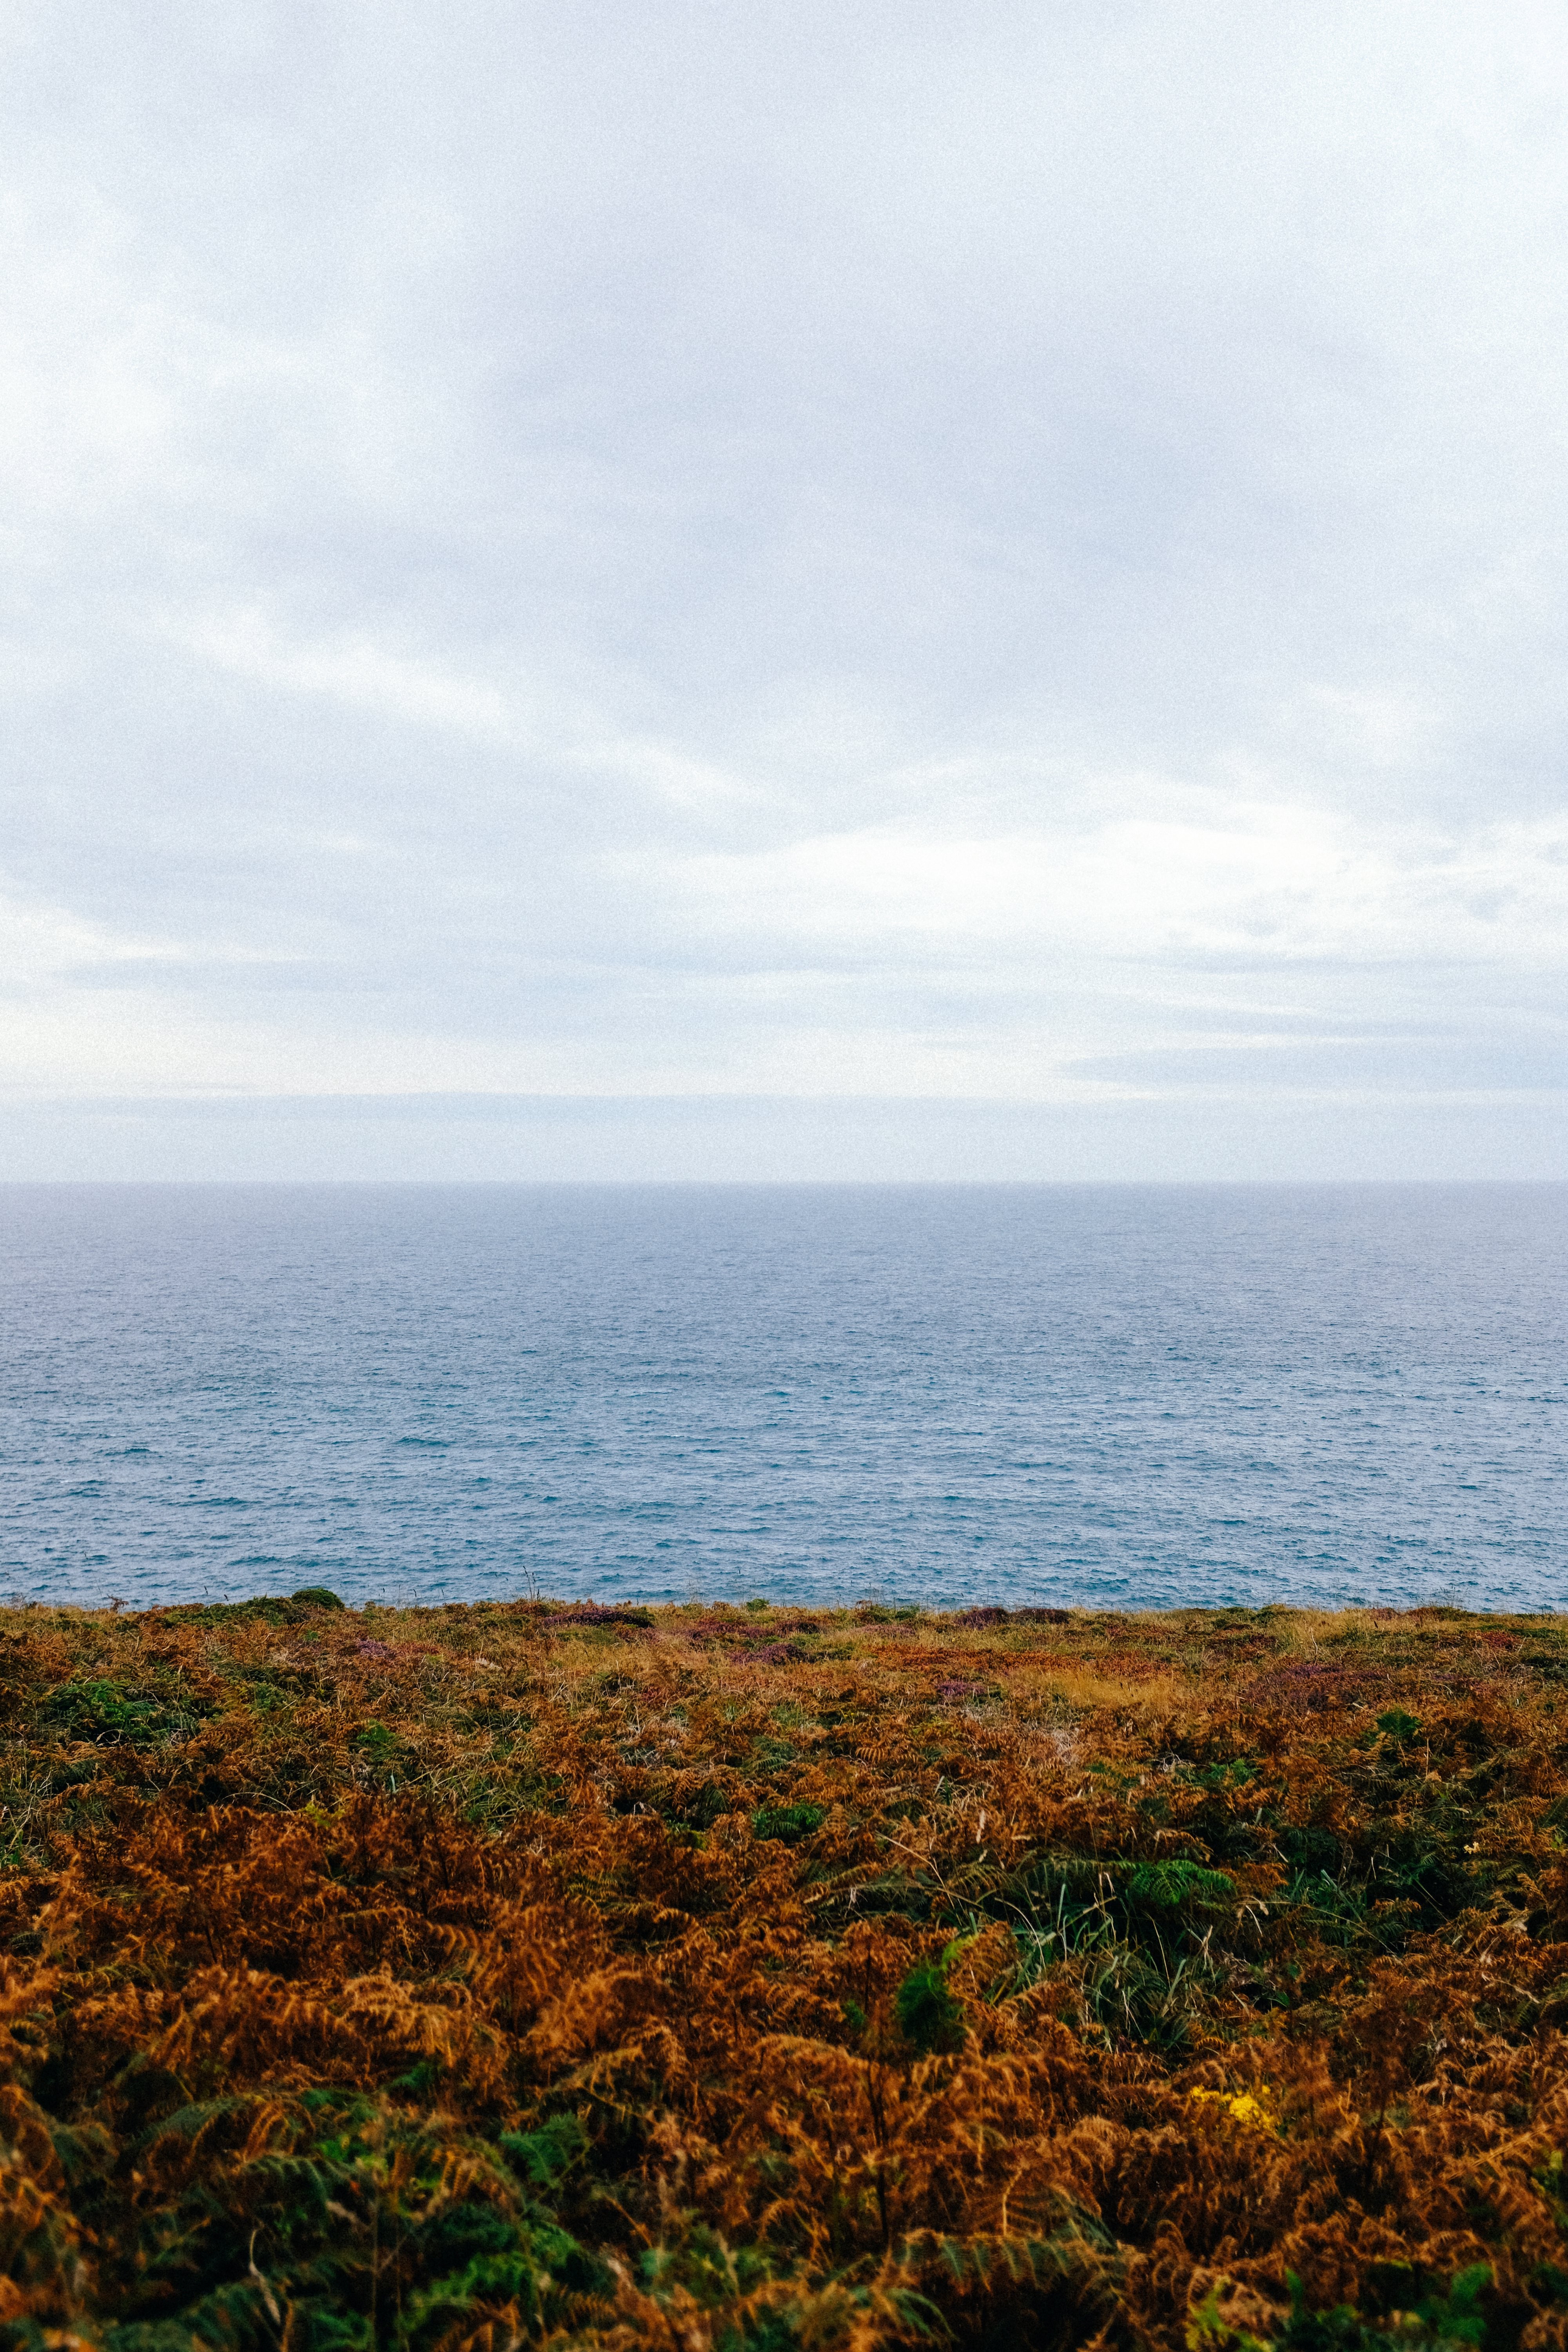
(1117, 1397)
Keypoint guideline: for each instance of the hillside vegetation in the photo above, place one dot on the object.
(464, 1979)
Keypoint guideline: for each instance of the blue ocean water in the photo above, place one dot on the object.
(1112, 1395)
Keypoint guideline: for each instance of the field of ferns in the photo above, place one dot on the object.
(464, 1979)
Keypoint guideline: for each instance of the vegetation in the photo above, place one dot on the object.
(466, 1978)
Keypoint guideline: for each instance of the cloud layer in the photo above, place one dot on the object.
(787, 552)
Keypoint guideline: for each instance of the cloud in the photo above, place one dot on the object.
(357, 673)
(778, 551)
(1272, 883)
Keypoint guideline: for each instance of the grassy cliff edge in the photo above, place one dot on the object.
(465, 1978)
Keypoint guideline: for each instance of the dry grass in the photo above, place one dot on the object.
(455, 1978)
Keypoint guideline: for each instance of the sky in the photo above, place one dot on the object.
(782, 590)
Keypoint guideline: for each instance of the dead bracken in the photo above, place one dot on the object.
(462, 1978)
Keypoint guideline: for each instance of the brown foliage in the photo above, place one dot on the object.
(881, 1978)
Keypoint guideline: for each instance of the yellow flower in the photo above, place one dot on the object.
(1245, 2107)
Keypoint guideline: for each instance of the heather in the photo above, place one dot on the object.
(493, 1976)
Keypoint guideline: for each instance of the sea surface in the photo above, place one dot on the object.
(1116, 1396)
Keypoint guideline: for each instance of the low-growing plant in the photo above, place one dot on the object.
(470, 1978)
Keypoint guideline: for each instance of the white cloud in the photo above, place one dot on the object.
(779, 549)
(355, 671)
(1279, 884)
(38, 941)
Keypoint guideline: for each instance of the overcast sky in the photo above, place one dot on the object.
(1012, 555)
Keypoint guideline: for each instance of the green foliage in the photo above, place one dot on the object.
(1138, 1936)
(1172, 1886)
(346, 2221)
(107, 1712)
(929, 2018)
(1435, 2320)
(790, 1823)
